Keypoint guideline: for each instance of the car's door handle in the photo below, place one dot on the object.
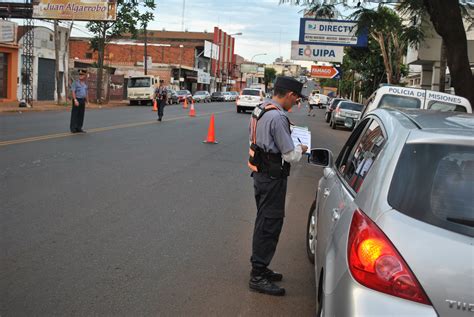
(326, 192)
(335, 214)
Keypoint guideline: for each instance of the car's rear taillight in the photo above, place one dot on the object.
(337, 110)
(375, 263)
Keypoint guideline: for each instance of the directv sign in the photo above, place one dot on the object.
(331, 32)
(317, 53)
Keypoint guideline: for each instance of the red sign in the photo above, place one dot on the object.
(324, 71)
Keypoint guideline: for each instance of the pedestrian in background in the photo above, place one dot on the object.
(79, 91)
(312, 102)
(271, 151)
(161, 96)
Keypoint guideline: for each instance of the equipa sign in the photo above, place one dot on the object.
(325, 72)
(94, 10)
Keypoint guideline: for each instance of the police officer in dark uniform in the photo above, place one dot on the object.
(161, 96)
(271, 151)
(79, 91)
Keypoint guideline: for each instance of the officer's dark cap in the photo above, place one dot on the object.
(290, 84)
(82, 71)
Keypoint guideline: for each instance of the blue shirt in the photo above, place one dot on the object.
(79, 88)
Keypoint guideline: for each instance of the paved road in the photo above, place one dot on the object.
(138, 217)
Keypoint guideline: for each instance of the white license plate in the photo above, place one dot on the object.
(350, 115)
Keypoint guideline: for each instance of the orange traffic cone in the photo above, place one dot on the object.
(185, 104)
(211, 137)
(155, 105)
(192, 112)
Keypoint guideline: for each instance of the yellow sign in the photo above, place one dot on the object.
(88, 10)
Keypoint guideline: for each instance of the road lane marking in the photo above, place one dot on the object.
(95, 130)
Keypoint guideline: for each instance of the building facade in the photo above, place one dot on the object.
(44, 64)
(178, 58)
(8, 61)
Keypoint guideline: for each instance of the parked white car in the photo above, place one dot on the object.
(249, 98)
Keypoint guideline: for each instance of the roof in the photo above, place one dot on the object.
(437, 120)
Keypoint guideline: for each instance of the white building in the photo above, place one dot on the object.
(424, 61)
(44, 66)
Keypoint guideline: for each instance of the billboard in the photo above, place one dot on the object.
(211, 50)
(331, 32)
(326, 72)
(87, 10)
(7, 31)
(249, 68)
(318, 53)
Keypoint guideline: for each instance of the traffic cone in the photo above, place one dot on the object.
(185, 104)
(155, 105)
(192, 112)
(211, 137)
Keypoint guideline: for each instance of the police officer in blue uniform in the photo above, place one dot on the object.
(270, 154)
(79, 91)
(161, 96)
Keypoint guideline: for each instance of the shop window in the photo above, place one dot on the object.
(3, 74)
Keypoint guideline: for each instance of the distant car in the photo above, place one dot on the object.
(331, 107)
(227, 96)
(172, 97)
(217, 96)
(202, 95)
(235, 95)
(392, 225)
(184, 94)
(346, 113)
(322, 101)
(249, 98)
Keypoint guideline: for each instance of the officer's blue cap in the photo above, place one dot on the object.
(290, 84)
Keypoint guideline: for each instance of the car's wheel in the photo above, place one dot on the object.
(238, 109)
(333, 124)
(311, 230)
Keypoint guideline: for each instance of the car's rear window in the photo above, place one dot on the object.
(399, 102)
(182, 92)
(250, 92)
(434, 183)
(216, 94)
(335, 102)
(351, 106)
(443, 106)
(200, 93)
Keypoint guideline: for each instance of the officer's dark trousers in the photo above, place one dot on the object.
(270, 198)
(77, 115)
(161, 108)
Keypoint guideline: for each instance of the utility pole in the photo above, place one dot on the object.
(182, 16)
(146, 53)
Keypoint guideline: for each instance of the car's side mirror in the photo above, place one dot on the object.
(320, 157)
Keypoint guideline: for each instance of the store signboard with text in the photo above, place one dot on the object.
(76, 10)
(317, 53)
(331, 32)
(325, 72)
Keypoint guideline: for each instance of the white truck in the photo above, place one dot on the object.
(415, 98)
(141, 89)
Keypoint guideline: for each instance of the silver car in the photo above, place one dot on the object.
(346, 113)
(391, 230)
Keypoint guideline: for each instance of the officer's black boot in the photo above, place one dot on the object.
(272, 275)
(261, 283)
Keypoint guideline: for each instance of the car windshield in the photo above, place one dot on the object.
(139, 82)
(399, 102)
(250, 92)
(351, 106)
(216, 94)
(226, 93)
(182, 92)
(200, 93)
(434, 183)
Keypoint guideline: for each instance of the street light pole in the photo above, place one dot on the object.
(180, 61)
(146, 53)
(251, 60)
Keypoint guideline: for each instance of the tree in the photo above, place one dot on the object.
(452, 33)
(392, 36)
(129, 19)
(269, 76)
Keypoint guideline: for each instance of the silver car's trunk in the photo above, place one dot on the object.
(350, 113)
(441, 260)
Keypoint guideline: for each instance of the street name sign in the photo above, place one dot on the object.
(86, 10)
(331, 32)
(317, 53)
(326, 72)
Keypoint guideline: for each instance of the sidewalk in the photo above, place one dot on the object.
(12, 107)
